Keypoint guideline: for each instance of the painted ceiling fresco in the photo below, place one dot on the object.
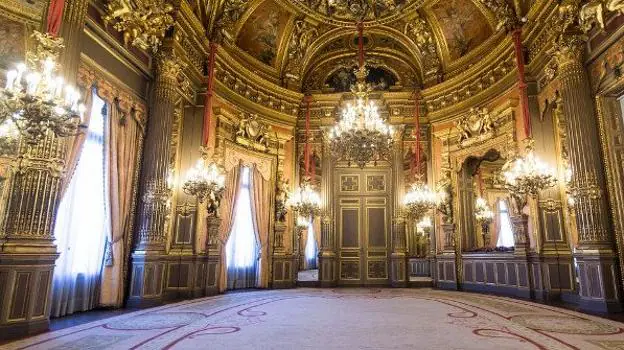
(456, 28)
(262, 33)
(342, 79)
(463, 25)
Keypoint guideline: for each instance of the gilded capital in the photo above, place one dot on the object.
(168, 68)
(569, 48)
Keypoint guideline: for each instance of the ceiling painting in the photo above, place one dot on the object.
(262, 32)
(379, 78)
(462, 24)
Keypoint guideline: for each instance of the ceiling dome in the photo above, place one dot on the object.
(305, 44)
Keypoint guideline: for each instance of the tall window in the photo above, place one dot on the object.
(505, 234)
(310, 247)
(242, 246)
(81, 225)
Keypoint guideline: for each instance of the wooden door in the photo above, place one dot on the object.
(363, 214)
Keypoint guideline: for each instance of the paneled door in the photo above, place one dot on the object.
(363, 215)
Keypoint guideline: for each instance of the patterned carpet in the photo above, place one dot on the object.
(341, 319)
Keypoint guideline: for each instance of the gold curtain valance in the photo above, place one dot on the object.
(128, 104)
(233, 157)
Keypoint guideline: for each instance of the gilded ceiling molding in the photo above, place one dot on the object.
(411, 56)
(343, 13)
(112, 92)
(142, 22)
(301, 37)
(224, 18)
(505, 15)
(420, 32)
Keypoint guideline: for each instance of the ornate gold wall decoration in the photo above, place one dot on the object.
(355, 10)
(593, 12)
(143, 22)
(475, 127)
(253, 132)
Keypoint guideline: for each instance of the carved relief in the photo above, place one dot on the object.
(477, 126)
(252, 132)
(349, 183)
(375, 183)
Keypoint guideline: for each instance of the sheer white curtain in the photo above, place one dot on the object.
(310, 247)
(242, 246)
(505, 235)
(81, 224)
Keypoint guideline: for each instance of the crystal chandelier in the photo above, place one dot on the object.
(419, 200)
(483, 212)
(527, 175)
(362, 135)
(205, 182)
(36, 100)
(305, 202)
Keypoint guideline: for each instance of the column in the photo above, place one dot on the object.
(27, 250)
(595, 256)
(398, 256)
(153, 208)
(327, 253)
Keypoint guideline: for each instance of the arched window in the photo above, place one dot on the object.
(82, 223)
(242, 246)
(505, 233)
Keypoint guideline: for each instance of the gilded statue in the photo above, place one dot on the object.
(476, 126)
(615, 6)
(282, 191)
(593, 12)
(143, 23)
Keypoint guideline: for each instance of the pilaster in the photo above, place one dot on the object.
(328, 270)
(398, 257)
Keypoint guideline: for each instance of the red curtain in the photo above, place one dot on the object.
(55, 16)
